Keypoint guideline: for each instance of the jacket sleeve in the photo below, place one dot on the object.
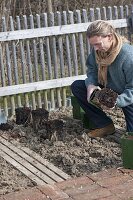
(92, 70)
(126, 97)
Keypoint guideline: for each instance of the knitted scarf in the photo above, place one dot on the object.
(103, 59)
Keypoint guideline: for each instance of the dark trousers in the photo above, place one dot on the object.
(94, 114)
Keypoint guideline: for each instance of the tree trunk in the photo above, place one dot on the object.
(49, 6)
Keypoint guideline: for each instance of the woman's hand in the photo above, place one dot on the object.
(90, 90)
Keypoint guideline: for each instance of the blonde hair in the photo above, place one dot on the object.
(100, 28)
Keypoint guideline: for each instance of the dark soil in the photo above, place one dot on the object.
(64, 142)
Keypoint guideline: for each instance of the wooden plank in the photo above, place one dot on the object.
(29, 63)
(56, 30)
(43, 161)
(49, 59)
(35, 57)
(61, 99)
(81, 46)
(26, 164)
(87, 46)
(110, 16)
(115, 12)
(98, 12)
(60, 44)
(68, 54)
(32, 161)
(21, 168)
(104, 13)
(54, 57)
(46, 163)
(74, 46)
(41, 85)
(3, 79)
(42, 54)
(8, 66)
(23, 62)
(15, 62)
(92, 14)
(42, 61)
(41, 48)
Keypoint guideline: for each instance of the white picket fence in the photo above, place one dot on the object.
(40, 61)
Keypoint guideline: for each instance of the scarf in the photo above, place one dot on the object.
(103, 59)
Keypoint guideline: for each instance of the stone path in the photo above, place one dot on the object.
(112, 184)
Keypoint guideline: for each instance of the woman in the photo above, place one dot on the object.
(110, 64)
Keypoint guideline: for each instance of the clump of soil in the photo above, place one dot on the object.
(68, 145)
(105, 97)
(5, 126)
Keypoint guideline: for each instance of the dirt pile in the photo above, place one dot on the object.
(68, 148)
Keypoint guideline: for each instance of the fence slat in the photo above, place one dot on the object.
(15, 65)
(121, 12)
(92, 15)
(116, 16)
(122, 32)
(127, 15)
(50, 74)
(110, 13)
(23, 63)
(81, 45)
(126, 10)
(85, 20)
(3, 80)
(60, 101)
(41, 48)
(8, 64)
(35, 57)
(115, 12)
(42, 60)
(104, 13)
(68, 55)
(29, 63)
(74, 49)
(98, 11)
(54, 57)
(60, 43)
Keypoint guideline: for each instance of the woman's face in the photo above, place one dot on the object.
(101, 43)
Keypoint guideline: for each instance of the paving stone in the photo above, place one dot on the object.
(105, 174)
(124, 190)
(126, 195)
(28, 194)
(126, 171)
(110, 198)
(114, 181)
(81, 190)
(2, 198)
(74, 183)
(112, 184)
(53, 192)
(65, 199)
(96, 194)
(123, 186)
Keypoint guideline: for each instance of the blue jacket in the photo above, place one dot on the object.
(119, 75)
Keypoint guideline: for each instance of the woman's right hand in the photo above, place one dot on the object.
(90, 90)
